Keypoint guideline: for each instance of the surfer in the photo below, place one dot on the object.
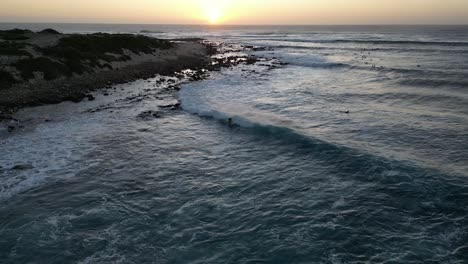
(229, 122)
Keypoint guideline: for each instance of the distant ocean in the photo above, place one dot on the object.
(353, 152)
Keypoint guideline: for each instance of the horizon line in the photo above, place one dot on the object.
(220, 25)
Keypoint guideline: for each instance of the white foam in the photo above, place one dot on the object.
(220, 100)
(49, 150)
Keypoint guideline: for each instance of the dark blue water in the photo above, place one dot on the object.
(354, 152)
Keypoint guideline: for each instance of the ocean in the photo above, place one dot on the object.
(353, 151)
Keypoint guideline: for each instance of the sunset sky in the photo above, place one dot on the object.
(237, 11)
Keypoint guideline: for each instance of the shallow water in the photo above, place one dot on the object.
(297, 179)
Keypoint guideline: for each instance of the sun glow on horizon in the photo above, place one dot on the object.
(237, 12)
(214, 10)
(213, 16)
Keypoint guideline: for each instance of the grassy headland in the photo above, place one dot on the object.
(49, 67)
(69, 54)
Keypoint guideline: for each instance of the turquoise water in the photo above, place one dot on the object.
(296, 179)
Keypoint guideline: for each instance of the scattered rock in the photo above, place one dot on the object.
(175, 107)
(261, 48)
(90, 97)
(148, 115)
(5, 116)
(172, 106)
(75, 98)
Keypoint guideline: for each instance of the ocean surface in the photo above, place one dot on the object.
(355, 151)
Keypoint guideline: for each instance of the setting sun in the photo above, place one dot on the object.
(213, 15)
(214, 10)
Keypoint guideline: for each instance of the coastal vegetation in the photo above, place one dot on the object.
(49, 67)
(6, 79)
(82, 53)
(11, 48)
(15, 34)
(23, 59)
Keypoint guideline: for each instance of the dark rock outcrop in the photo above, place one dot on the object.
(149, 115)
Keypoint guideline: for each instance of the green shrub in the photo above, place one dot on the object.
(14, 34)
(9, 48)
(80, 53)
(15, 31)
(6, 79)
(114, 43)
(49, 68)
(14, 37)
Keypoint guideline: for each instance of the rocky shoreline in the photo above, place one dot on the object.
(185, 58)
(48, 67)
(77, 88)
